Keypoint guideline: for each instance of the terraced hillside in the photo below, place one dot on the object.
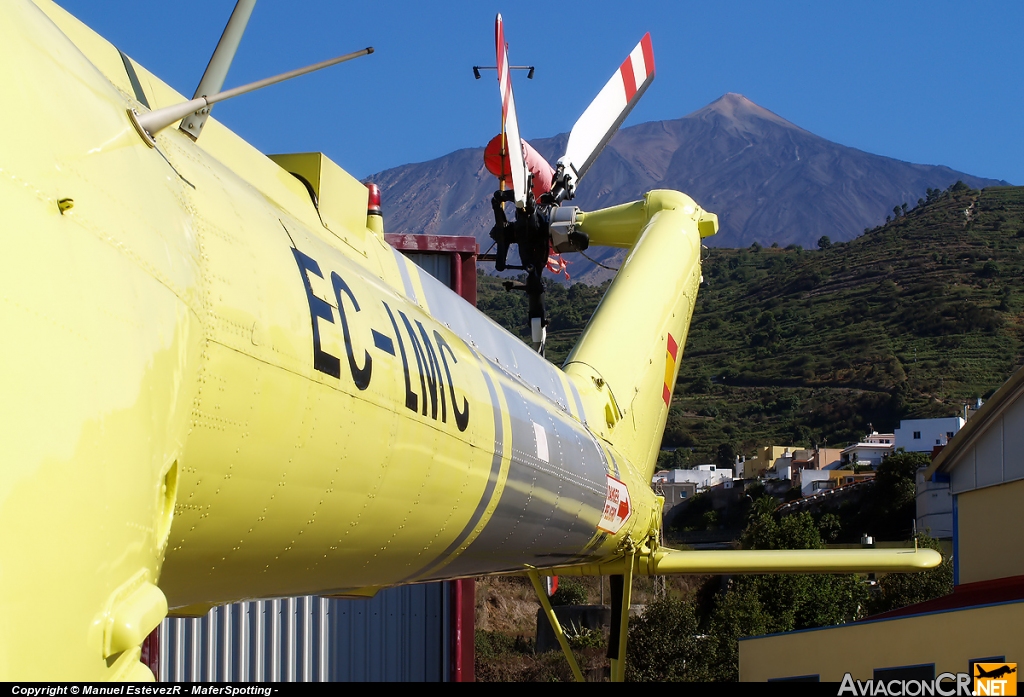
(911, 319)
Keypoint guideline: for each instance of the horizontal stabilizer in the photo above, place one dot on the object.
(780, 561)
(764, 561)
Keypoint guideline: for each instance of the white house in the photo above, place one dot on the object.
(922, 435)
(870, 451)
(783, 468)
(934, 506)
(813, 481)
(934, 499)
(704, 477)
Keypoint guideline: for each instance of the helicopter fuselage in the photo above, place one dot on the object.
(218, 389)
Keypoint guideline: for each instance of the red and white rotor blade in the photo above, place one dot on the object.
(509, 122)
(609, 109)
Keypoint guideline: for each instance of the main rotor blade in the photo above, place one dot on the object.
(606, 113)
(509, 122)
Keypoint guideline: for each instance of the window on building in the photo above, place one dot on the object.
(991, 659)
(949, 434)
(924, 671)
(917, 435)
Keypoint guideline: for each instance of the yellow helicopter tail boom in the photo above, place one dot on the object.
(626, 362)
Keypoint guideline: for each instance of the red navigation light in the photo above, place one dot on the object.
(373, 204)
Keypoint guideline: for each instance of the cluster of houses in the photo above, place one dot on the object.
(818, 472)
(971, 495)
(977, 475)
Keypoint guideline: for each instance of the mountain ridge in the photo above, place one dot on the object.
(912, 319)
(769, 180)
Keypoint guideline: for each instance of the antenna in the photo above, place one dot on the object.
(152, 122)
(220, 62)
(478, 68)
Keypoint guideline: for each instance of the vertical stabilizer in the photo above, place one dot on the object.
(627, 359)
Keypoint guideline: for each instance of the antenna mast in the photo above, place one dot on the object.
(151, 122)
(217, 70)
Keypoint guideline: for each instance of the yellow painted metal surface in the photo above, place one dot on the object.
(990, 528)
(340, 197)
(947, 639)
(648, 305)
(556, 626)
(665, 561)
(102, 334)
(216, 391)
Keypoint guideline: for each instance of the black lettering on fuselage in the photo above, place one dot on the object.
(417, 352)
(461, 417)
(430, 361)
(360, 376)
(428, 348)
(411, 400)
(433, 374)
(318, 308)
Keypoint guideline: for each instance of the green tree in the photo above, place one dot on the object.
(700, 641)
(701, 385)
(899, 590)
(824, 242)
(737, 614)
(666, 644)
(829, 526)
(890, 509)
(780, 602)
(726, 456)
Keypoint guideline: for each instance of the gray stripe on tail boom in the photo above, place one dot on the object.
(492, 482)
(549, 510)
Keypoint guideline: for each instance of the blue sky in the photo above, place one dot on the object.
(933, 83)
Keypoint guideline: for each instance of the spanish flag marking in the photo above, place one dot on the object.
(670, 369)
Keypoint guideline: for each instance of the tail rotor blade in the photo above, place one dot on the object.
(606, 113)
(510, 124)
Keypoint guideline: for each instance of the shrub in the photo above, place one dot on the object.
(665, 644)
(569, 593)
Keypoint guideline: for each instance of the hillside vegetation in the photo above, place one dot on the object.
(794, 346)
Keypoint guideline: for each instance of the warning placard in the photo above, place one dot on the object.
(616, 507)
